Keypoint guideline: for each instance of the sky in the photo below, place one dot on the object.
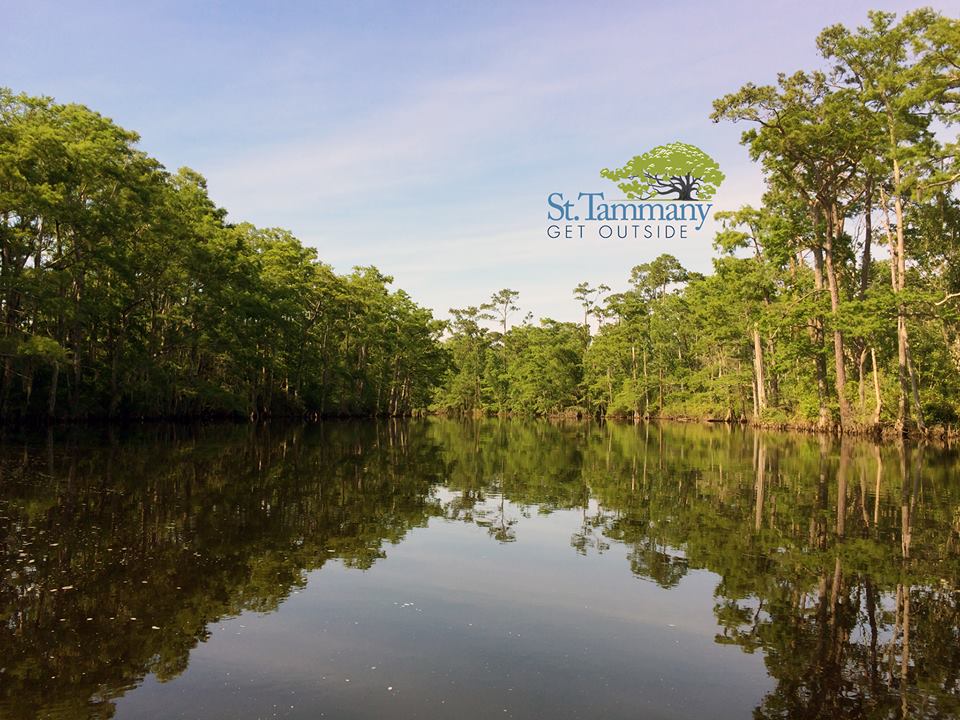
(425, 137)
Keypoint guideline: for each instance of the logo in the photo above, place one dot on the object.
(666, 189)
(674, 168)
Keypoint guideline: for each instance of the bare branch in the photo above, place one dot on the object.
(950, 296)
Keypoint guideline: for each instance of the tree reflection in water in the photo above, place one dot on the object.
(837, 560)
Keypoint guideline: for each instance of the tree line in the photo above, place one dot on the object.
(803, 321)
(124, 291)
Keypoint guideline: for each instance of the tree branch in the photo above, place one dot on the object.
(950, 296)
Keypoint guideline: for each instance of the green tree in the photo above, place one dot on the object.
(890, 67)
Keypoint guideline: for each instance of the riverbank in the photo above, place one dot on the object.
(946, 433)
(880, 431)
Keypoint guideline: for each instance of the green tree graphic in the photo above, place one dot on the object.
(666, 169)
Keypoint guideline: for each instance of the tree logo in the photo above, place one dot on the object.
(675, 171)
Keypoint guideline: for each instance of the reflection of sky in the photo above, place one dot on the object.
(462, 626)
(424, 137)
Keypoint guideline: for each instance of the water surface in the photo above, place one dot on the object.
(437, 568)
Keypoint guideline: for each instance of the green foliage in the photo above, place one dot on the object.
(530, 369)
(836, 302)
(124, 292)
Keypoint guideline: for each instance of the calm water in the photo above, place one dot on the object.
(444, 569)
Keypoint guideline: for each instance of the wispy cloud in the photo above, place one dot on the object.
(424, 137)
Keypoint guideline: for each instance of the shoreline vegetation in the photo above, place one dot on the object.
(125, 292)
(947, 432)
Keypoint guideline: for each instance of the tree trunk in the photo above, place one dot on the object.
(914, 382)
(5, 388)
(840, 377)
(905, 378)
(761, 393)
(817, 331)
(867, 239)
(29, 373)
(52, 397)
(876, 387)
(114, 384)
(908, 381)
(646, 396)
(660, 399)
(861, 388)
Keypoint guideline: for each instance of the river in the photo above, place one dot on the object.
(475, 569)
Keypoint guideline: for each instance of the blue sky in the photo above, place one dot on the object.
(424, 137)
